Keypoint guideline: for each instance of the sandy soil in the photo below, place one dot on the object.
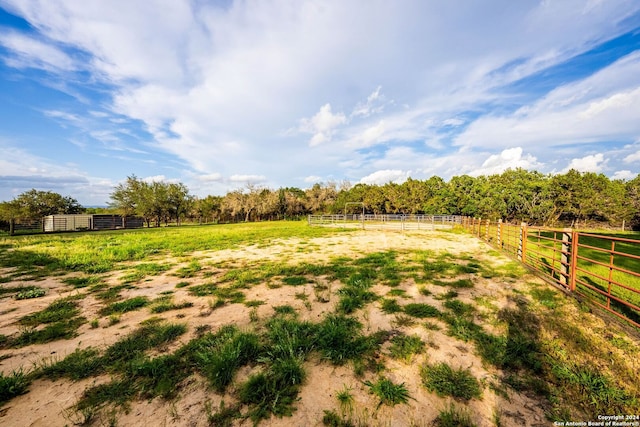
(50, 403)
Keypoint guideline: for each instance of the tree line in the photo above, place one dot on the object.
(570, 199)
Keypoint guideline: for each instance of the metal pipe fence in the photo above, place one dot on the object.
(386, 222)
(602, 269)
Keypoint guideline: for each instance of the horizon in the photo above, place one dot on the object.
(219, 95)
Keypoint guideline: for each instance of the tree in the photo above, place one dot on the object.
(34, 204)
(9, 212)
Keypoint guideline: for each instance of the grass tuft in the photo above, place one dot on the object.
(389, 393)
(446, 381)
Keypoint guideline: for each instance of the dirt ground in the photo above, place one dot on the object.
(50, 403)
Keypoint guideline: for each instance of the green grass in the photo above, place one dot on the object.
(59, 310)
(140, 271)
(224, 416)
(453, 417)
(295, 280)
(82, 363)
(125, 306)
(220, 355)
(106, 251)
(189, 270)
(390, 306)
(389, 393)
(446, 381)
(339, 339)
(12, 385)
(404, 347)
(82, 281)
(31, 293)
(165, 303)
(421, 310)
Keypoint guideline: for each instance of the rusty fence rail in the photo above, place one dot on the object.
(603, 269)
(386, 221)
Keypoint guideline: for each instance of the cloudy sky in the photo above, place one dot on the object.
(221, 93)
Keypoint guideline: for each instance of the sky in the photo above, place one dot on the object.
(221, 95)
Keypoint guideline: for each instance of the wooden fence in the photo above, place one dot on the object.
(602, 269)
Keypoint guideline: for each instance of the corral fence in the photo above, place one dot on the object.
(602, 269)
(387, 222)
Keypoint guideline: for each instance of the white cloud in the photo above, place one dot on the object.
(632, 158)
(385, 176)
(510, 158)
(31, 53)
(155, 178)
(322, 125)
(251, 179)
(211, 177)
(312, 179)
(624, 174)
(215, 85)
(371, 106)
(590, 163)
(603, 106)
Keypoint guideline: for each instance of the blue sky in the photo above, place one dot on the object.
(222, 94)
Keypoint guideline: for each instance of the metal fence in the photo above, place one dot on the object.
(386, 222)
(603, 269)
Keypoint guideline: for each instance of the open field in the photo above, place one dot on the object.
(280, 324)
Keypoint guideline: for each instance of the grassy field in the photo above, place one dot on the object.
(284, 324)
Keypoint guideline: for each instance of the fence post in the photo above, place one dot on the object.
(499, 233)
(574, 260)
(486, 230)
(565, 258)
(522, 243)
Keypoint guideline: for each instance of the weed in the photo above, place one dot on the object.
(446, 381)
(182, 284)
(284, 309)
(346, 400)
(189, 270)
(63, 329)
(295, 280)
(401, 320)
(162, 304)
(82, 363)
(424, 291)
(149, 335)
(59, 310)
(114, 319)
(421, 310)
(82, 281)
(332, 419)
(254, 303)
(13, 385)
(224, 416)
(404, 347)
(203, 290)
(453, 417)
(95, 323)
(390, 306)
(273, 391)
(397, 293)
(290, 338)
(340, 339)
(459, 308)
(220, 355)
(125, 306)
(31, 293)
(389, 393)
(432, 326)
